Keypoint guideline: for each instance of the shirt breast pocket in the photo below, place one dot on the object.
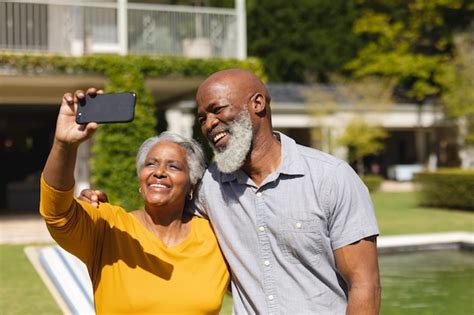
(300, 241)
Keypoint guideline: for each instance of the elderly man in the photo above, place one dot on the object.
(296, 225)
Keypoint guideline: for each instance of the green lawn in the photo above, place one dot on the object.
(397, 213)
(22, 291)
(21, 288)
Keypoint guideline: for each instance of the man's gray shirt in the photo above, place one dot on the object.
(279, 238)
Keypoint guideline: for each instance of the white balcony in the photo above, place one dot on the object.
(87, 27)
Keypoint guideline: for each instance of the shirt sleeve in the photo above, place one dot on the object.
(74, 226)
(351, 212)
(199, 205)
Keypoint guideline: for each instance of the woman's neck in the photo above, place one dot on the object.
(171, 229)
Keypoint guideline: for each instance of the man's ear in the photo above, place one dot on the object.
(259, 104)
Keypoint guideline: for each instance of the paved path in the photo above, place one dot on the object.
(390, 185)
(23, 229)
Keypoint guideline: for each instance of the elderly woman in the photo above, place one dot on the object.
(157, 260)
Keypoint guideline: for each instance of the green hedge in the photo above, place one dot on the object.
(372, 182)
(115, 145)
(149, 66)
(446, 188)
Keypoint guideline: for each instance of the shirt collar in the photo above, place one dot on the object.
(291, 162)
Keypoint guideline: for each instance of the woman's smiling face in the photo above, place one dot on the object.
(164, 177)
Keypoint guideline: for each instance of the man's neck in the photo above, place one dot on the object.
(264, 158)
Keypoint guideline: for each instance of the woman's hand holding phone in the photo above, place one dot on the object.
(67, 130)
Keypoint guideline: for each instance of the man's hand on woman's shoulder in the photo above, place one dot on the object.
(94, 197)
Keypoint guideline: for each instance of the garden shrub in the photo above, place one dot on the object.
(446, 188)
(114, 146)
(372, 182)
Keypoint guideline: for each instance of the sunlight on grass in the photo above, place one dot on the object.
(21, 289)
(398, 213)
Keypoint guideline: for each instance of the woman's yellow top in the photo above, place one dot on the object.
(132, 270)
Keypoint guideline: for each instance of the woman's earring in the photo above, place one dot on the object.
(140, 190)
(190, 196)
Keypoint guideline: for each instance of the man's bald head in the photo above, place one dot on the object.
(238, 82)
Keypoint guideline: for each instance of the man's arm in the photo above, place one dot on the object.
(358, 265)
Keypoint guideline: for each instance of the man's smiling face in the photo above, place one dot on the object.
(225, 122)
(216, 110)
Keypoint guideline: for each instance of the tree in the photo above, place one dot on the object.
(298, 41)
(457, 81)
(409, 41)
(303, 40)
(357, 97)
(362, 139)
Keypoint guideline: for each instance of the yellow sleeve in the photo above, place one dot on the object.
(75, 226)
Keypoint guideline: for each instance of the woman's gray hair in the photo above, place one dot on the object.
(195, 156)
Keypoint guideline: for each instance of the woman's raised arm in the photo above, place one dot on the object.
(59, 169)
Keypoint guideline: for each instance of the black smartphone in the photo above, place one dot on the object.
(106, 108)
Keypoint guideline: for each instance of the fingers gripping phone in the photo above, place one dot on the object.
(106, 108)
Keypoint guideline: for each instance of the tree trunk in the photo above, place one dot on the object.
(360, 167)
(465, 151)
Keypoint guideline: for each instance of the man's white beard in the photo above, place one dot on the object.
(233, 156)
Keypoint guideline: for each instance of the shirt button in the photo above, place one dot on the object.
(298, 225)
(271, 297)
(259, 194)
(261, 229)
(266, 263)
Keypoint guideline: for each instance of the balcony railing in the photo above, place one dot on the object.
(80, 27)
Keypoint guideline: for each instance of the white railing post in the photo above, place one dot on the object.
(122, 26)
(241, 29)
